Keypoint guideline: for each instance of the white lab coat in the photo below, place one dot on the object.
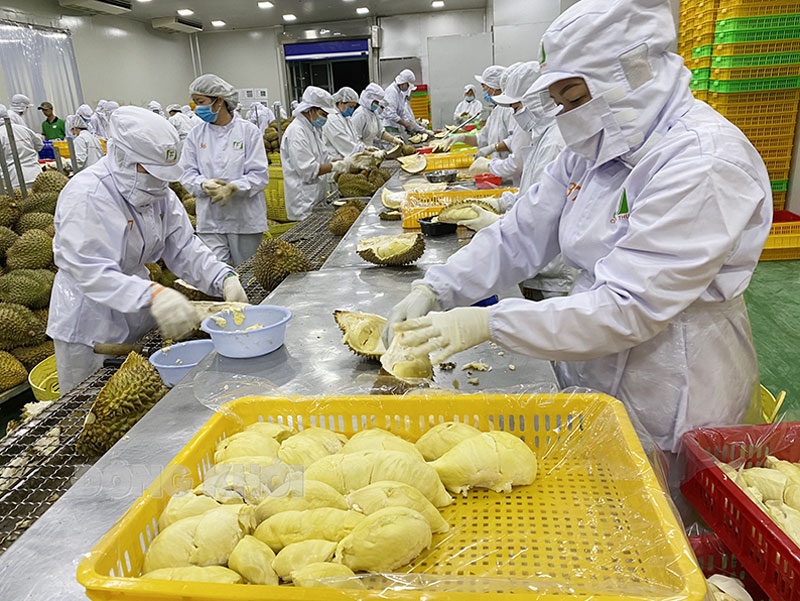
(367, 126)
(656, 317)
(182, 125)
(497, 128)
(302, 152)
(510, 167)
(98, 124)
(397, 107)
(102, 290)
(233, 153)
(28, 145)
(340, 136)
(472, 108)
(88, 149)
(261, 117)
(17, 118)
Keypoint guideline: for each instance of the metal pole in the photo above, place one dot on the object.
(57, 156)
(6, 174)
(276, 108)
(73, 160)
(17, 165)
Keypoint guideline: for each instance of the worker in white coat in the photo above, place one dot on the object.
(85, 112)
(260, 116)
(111, 219)
(28, 144)
(397, 113)
(225, 169)
(88, 149)
(469, 106)
(155, 106)
(498, 125)
(98, 122)
(304, 158)
(179, 121)
(339, 135)
(17, 109)
(639, 202)
(193, 119)
(366, 123)
(517, 80)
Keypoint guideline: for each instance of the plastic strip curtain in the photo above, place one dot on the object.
(40, 63)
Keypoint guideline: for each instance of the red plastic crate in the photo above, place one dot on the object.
(487, 181)
(764, 550)
(715, 558)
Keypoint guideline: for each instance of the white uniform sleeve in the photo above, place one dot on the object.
(549, 147)
(339, 138)
(302, 157)
(186, 256)
(81, 146)
(256, 170)
(393, 111)
(36, 140)
(192, 179)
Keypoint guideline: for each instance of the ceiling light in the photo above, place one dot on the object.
(362, 10)
(265, 5)
(289, 17)
(437, 4)
(144, 0)
(218, 23)
(185, 12)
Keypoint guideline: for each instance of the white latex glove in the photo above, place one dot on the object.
(439, 146)
(484, 219)
(484, 151)
(340, 167)
(398, 140)
(443, 334)
(479, 165)
(430, 133)
(174, 314)
(449, 142)
(498, 204)
(232, 290)
(219, 190)
(417, 303)
(363, 160)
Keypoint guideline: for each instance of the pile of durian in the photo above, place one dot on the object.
(313, 508)
(26, 276)
(187, 200)
(345, 216)
(272, 139)
(361, 183)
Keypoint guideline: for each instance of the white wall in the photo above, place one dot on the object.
(117, 58)
(518, 27)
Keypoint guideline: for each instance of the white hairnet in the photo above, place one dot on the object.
(110, 106)
(491, 76)
(294, 104)
(471, 87)
(142, 137)
(3, 112)
(75, 121)
(173, 107)
(345, 94)
(405, 76)
(186, 109)
(101, 105)
(85, 111)
(154, 105)
(314, 97)
(214, 86)
(506, 73)
(519, 79)
(372, 93)
(19, 102)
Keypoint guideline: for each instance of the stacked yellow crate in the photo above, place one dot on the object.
(421, 102)
(695, 41)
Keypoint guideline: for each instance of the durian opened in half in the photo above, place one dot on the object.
(399, 249)
(362, 332)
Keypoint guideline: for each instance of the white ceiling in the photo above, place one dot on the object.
(245, 14)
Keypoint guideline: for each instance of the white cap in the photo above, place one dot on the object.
(145, 138)
(214, 86)
(19, 102)
(75, 121)
(186, 109)
(471, 87)
(173, 107)
(372, 93)
(345, 94)
(154, 106)
(101, 105)
(491, 76)
(314, 97)
(519, 79)
(85, 111)
(405, 76)
(3, 111)
(110, 106)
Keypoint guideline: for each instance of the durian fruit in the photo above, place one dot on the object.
(789, 469)
(385, 540)
(9, 211)
(126, 397)
(7, 238)
(355, 184)
(495, 460)
(414, 163)
(33, 250)
(190, 204)
(463, 211)
(49, 181)
(399, 249)
(29, 287)
(183, 506)
(377, 439)
(379, 495)
(20, 327)
(356, 203)
(392, 200)
(246, 443)
(193, 221)
(362, 332)
(42, 315)
(390, 215)
(403, 363)
(179, 190)
(192, 293)
(327, 575)
(352, 471)
(299, 555)
(443, 437)
(324, 523)
(33, 221)
(31, 356)
(154, 270)
(252, 559)
(12, 372)
(275, 259)
(217, 574)
(770, 482)
(310, 445)
(51, 230)
(342, 219)
(248, 479)
(408, 149)
(43, 202)
(307, 494)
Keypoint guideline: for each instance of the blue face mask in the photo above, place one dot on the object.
(374, 107)
(319, 121)
(205, 113)
(469, 98)
(348, 111)
(487, 97)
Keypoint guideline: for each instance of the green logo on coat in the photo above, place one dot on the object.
(623, 211)
(238, 145)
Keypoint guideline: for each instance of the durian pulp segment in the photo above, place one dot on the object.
(403, 363)
(255, 326)
(389, 246)
(365, 335)
(392, 200)
(220, 321)
(238, 316)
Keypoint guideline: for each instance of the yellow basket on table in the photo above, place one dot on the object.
(429, 204)
(449, 160)
(273, 193)
(594, 523)
(44, 380)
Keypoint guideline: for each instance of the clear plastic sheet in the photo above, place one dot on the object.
(596, 521)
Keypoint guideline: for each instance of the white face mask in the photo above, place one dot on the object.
(592, 132)
(525, 119)
(147, 190)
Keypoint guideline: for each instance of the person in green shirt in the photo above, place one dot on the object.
(53, 128)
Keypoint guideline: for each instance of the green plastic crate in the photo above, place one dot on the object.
(756, 60)
(703, 51)
(749, 36)
(754, 85)
(701, 73)
(780, 185)
(750, 23)
(699, 84)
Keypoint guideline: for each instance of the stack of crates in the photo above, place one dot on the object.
(753, 76)
(698, 19)
(421, 102)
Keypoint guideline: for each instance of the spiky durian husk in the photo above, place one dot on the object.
(12, 372)
(192, 293)
(127, 396)
(377, 250)
(29, 287)
(33, 221)
(390, 215)
(31, 356)
(362, 332)
(42, 202)
(9, 211)
(342, 219)
(49, 181)
(275, 259)
(190, 204)
(356, 203)
(20, 327)
(7, 238)
(33, 250)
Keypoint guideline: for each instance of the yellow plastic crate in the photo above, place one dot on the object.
(428, 204)
(595, 523)
(273, 193)
(778, 201)
(749, 48)
(781, 247)
(274, 158)
(44, 380)
(726, 74)
(448, 160)
(63, 148)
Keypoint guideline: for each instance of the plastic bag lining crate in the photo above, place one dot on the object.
(715, 558)
(429, 204)
(763, 549)
(594, 524)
